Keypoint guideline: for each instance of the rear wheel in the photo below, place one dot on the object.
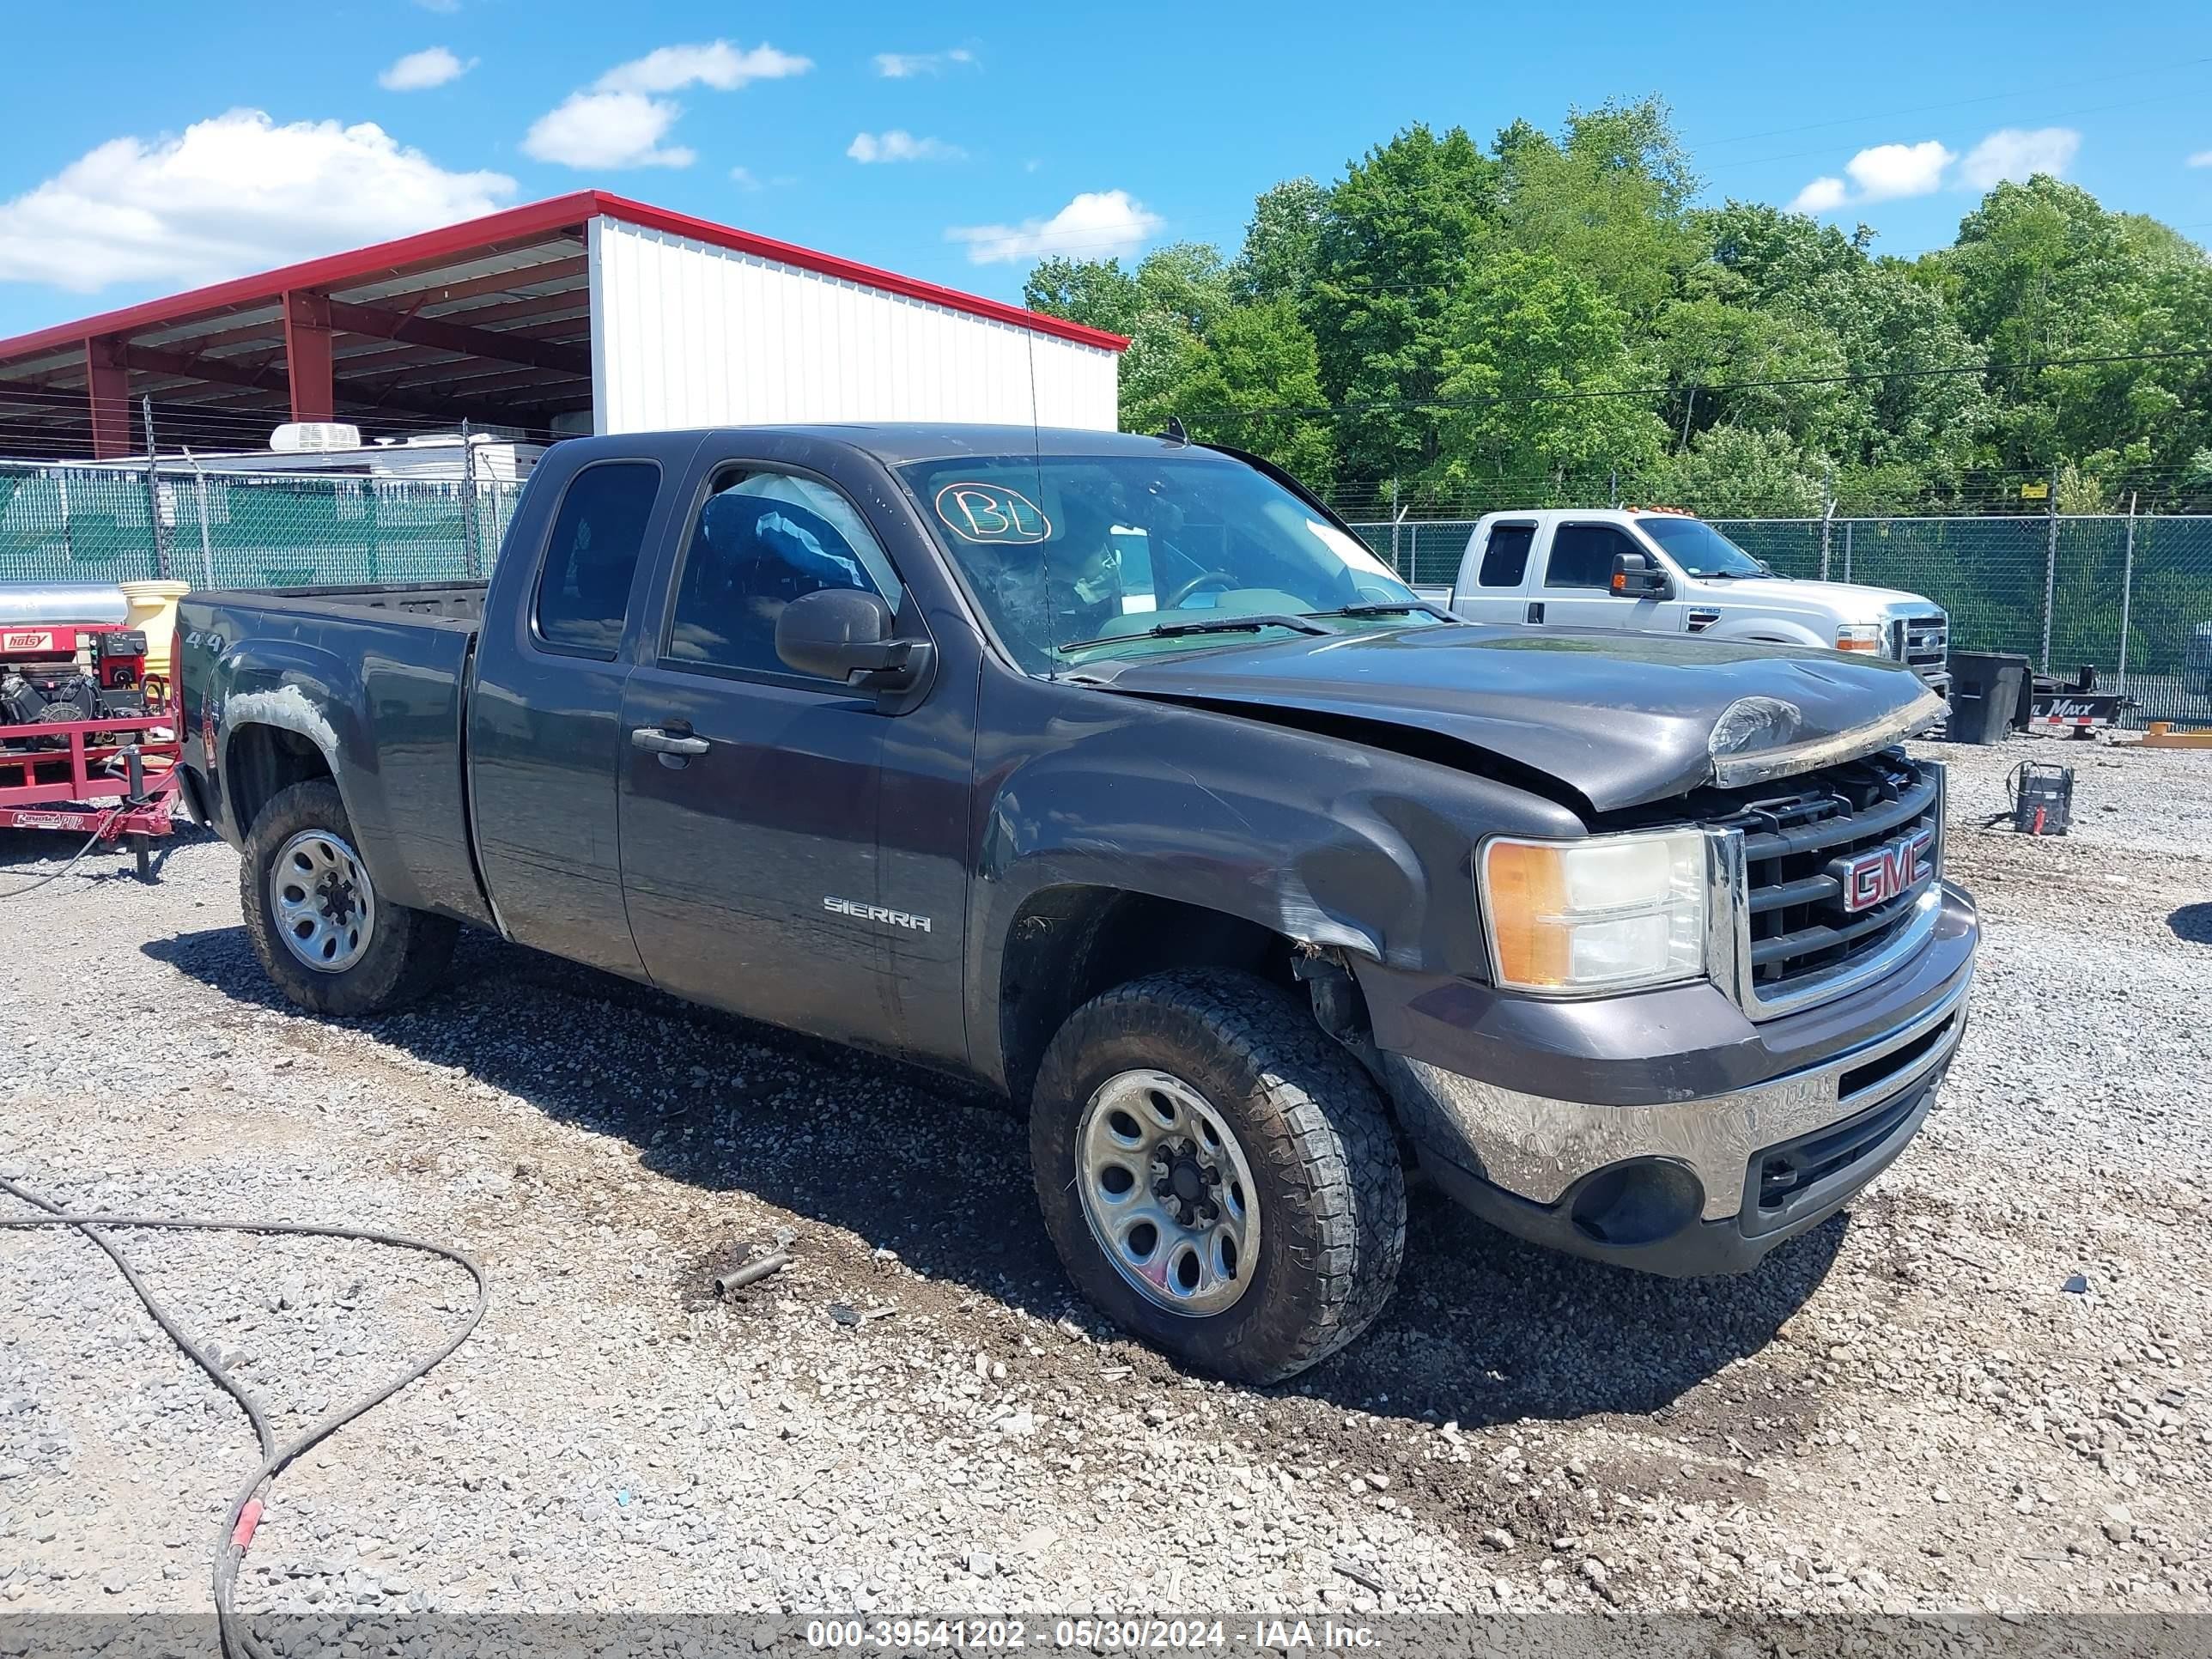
(323, 934)
(1217, 1175)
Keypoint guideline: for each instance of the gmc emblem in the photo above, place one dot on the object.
(1883, 872)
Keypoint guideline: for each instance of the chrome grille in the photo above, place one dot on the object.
(1794, 940)
(1922, 643)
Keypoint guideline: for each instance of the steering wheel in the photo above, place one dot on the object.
(1221, 579)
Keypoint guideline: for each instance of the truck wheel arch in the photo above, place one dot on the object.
(260, 761)
(1068, 944)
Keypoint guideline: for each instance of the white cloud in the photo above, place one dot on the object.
(608, 129)
(619, 121)
(717, 65)
(2017, 153)
(420, 70)
(902, 65)
(1096, 225)
(898, 145)
(231, 194)
(1881, 172)
(1889, 171)
(1823, 195)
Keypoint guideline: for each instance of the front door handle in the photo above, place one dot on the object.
(657, 741)
(1536, 611)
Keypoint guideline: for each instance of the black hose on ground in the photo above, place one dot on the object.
(238, 1641)
(99, 829)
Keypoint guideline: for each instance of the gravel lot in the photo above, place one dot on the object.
(1908, 1408)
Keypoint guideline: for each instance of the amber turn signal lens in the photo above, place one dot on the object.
(1528, 895)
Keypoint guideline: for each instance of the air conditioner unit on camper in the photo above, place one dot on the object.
(294, 436)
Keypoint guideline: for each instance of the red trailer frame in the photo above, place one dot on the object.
(105, 783)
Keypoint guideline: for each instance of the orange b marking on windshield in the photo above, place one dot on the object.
(992, 512)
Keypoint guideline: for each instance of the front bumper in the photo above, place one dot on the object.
(1668, 1132)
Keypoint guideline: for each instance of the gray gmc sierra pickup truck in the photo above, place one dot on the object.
(1116, 773)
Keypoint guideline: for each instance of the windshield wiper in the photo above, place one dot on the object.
(1246, 624)
(1388, 608)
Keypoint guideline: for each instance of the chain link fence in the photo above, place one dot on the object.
(2130, 595)
(225, 529)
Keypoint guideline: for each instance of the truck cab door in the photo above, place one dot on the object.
(544, 742)
(753, 798)
(1576, 590)
(1494, 576)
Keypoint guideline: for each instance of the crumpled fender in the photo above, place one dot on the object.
(1333, 844)
(295, 687)
(415, 853)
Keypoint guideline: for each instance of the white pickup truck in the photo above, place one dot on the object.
(1662, 571)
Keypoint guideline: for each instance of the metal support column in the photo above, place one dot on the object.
(2050, 566)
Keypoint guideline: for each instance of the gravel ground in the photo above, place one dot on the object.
(1984, 1386)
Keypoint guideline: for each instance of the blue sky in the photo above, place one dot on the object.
(954, 141)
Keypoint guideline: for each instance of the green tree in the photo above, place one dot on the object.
(1538, 381)
(1606, 198)
(1739, 472)
(1163, 307)
(1401, 236)
(2041, 272)
(1445, 318)
(1255, 385)
(1881, 328)
(1278, 260)
(1096, 293)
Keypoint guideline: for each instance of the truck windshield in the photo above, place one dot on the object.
(1699, 549)
(1074, 558)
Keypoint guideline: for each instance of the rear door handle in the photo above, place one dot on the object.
(657, 741)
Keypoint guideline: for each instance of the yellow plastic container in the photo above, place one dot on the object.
(154, 608)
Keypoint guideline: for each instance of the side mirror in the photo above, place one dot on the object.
(1639, 576)
(843, 634)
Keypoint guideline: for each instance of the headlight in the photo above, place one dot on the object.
(1863, 636)
(1616, 912)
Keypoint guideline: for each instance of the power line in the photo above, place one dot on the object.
(1959, 103)
(1579, 394)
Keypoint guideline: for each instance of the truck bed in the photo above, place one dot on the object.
(443, 601)
(369, 678)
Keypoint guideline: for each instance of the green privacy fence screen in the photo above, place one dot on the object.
(246, 529)
(2151, 575)
(2130, 596)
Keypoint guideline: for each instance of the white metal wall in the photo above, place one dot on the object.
(687, 334)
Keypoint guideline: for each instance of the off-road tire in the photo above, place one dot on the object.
(407, 953)
(1331, 1190)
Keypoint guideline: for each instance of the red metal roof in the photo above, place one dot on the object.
(536, 218)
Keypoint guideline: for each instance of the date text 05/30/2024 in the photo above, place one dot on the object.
(1093, 1635)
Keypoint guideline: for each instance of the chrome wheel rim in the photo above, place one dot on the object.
(323, 906)
(1167, 1192)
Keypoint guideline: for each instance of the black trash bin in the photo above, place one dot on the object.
(1988, 691)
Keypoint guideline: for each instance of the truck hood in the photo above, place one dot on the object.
(1619, 720)
(1847, 601)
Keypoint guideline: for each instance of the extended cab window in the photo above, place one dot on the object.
(761, 540)
(583, 589)
(1505, 555)
(1582, 555)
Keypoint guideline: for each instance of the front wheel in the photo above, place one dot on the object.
(1217, 1175)
(324, 934)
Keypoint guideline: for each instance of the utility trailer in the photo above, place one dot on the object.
(79, 752)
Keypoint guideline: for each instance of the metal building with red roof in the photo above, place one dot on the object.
(585, 312)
